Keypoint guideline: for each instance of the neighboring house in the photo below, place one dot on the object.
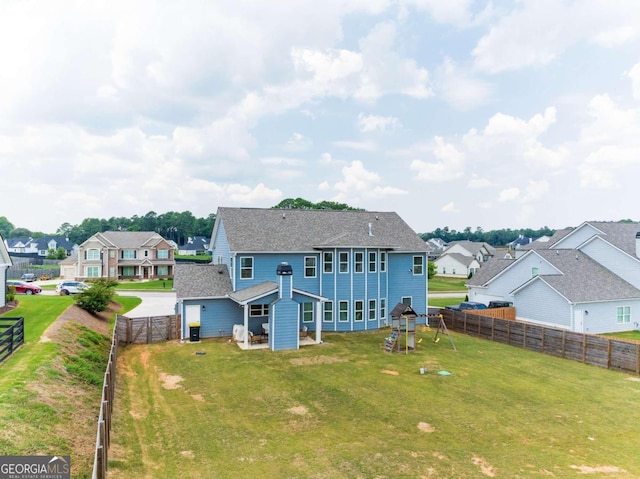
(297, 270)
(587, 279)
(456, 264)
(520, 241)
(123, 255)
(194, 246)
(40, 246)
(452, 261)
(68, 267)
(5, 262)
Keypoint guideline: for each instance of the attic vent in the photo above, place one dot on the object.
(283, 216)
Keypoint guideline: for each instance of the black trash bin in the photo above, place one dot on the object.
(194, 333)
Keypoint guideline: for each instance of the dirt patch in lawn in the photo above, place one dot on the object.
(426, 427)
(390, 372)
(486, 468)
(317, 360)
(170, 382)
(298, 410)
(598, 470)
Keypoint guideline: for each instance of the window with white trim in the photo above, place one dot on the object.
(93, 254)
(372, 261)
(328, 312)
(246, 267)
(358, 310)
(163, 270)
(534, 271)
(327, 261)
(258, 310)
(623, 314)
(358, 262)
(383, 261)
(418, 265)
(372, 310)
(406, 300)
(344, 311)
(307, 312)
(309, 266)
(93, 271)
(383, 308)
(343, 258)
(128, 271)
(163, 254)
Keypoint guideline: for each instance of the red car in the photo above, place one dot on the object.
(24, 288)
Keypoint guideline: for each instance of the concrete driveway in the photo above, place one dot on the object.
(154, 303)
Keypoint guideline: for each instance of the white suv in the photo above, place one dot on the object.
(71, 287)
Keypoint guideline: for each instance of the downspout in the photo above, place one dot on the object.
(351, 273)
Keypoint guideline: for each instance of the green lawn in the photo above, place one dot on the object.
(443, 283)
(346, 409)
(153, 285)
(625, 335)
(44, 407)
(443, 302)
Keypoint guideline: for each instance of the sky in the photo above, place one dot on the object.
(458, 113)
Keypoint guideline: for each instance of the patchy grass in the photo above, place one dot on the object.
(346, 409)
(440, 284)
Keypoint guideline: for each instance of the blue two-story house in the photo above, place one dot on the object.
(277, 272)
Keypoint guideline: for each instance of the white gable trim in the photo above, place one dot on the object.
(582, 226)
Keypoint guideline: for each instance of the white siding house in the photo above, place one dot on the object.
(586, 280)
(5, 262)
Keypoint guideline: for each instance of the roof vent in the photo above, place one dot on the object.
(370, 229)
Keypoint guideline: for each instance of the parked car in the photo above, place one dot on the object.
(467, 305)
(499, 304)
(28, 277)
(24, 288)
(71, 287)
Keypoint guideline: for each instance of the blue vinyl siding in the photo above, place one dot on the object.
(404, 283)
(221, 247)
(217, 319)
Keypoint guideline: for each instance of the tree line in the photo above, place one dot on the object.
(493, 237)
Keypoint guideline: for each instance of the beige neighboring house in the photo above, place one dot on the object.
(462, 258)
(121, 255)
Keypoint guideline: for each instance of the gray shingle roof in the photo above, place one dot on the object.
(276, 230)
(201, 280)
(252, 292)
(129, 239)
(489, 270)
(583, 279)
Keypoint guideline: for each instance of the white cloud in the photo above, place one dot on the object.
(459, 87)
(537, 32)
(509, 194)
(298, 142)
(450, 164)
(367, 123)
(356, 145)
(450, 208)
(358, 183)
(634, 74)
(477, 182)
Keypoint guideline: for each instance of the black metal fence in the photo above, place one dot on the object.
(11, 336)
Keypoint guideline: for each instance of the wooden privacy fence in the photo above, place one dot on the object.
(11, 336)
(151, 329)
(103, 435)
(587, 348)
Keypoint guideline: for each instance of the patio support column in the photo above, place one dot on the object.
(319, 318)
(245, 309)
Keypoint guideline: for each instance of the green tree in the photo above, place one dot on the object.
(6, 227)
(97, 298)
(431, 269)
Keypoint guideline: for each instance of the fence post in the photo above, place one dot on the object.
(638, 358)
(608, 354)
(524, 336)
(584, 348)
(493, 328)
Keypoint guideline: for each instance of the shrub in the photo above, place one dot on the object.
(97, 298)
(11, 293)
